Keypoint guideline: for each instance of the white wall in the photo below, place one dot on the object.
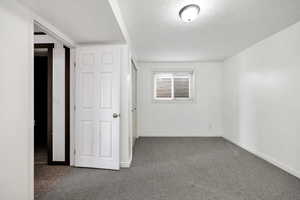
(16, 97)
(58, 95)
(262, 99)
(59, 103)
(202, 117)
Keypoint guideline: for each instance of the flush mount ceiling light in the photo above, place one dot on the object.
(189, 13)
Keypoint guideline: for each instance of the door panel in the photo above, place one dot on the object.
(98, 97)
(105, 129)
(105, 90)
(87, 138)
(87, 89)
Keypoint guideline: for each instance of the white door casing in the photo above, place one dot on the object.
(134, 102)
(97, 140)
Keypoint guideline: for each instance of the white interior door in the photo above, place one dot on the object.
(98, 107)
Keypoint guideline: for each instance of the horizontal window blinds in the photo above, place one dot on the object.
(172, 86)
(164, 88)
(181, 87)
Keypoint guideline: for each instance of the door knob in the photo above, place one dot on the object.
(116, 115)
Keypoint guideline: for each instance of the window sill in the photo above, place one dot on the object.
(177, 101)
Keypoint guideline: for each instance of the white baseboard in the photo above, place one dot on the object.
(177, 133)
(268, 159)
(126, 164)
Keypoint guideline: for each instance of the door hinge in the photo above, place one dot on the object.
(74, 107)
(74, 151)
(74, 64)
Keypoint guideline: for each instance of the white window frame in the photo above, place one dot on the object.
(172, 74)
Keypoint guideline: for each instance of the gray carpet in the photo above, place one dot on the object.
(181, 169)
(46, 176)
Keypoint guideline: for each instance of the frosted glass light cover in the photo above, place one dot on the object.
(189, 13)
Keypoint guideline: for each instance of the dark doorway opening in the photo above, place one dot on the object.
(43, 75)
(40, 109)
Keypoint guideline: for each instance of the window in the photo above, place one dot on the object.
(172, 86)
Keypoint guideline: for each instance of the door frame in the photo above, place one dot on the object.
(50, 47)
(67, 104)
(134, 90)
